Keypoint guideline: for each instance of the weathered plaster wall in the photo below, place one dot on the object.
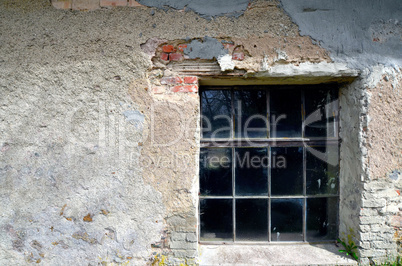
(98, 126)
(385, 131)
(365, 35)
(370, 162)
(382, 204)
(352, 105)
(84, 179)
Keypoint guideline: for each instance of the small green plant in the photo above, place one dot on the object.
(350, 248)
(396, 262)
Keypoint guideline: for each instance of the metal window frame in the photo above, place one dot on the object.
(268, 142)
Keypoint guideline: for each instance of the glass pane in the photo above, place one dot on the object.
(286, 171)
(285, 116)
(287, 220)
(321, 112)
(250, 114)
(216, 171)
(216, 217)
(322, 170)
(322, 219)
(216, 113)
(251, 171)
(252, 219)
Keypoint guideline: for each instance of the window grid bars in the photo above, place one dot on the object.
(233, 194)
(268, 143)
(267, 91)
(269, 197)
(304, 215)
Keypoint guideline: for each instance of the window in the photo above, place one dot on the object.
(269, 164)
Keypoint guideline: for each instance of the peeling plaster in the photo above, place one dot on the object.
(226, 62)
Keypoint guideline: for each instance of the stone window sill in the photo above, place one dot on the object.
(276, 254)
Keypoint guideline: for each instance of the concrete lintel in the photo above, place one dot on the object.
(304, 73)
(281, 254)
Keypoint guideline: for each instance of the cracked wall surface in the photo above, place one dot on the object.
(99, 116)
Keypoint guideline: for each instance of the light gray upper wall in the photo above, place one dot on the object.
(360, 32)
(205, 8)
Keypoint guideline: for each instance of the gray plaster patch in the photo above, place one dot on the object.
(205, 8)
(133, 116)
(394, 175)
(208, 48)
(361, 33)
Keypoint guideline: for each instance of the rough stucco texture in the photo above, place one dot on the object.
(76, 132)
(385, 130)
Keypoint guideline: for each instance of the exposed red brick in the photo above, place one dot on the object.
(228, 45)
(171, 80)
(238, 56)
(133, 3)
(191, 80)
(168, 48)
(158, 90)
(181, 47)
(85, 4)
(175, 57)
(62, 4)
(185, 88)
(165, 56)
(112, 3)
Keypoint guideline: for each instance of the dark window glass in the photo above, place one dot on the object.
(261, 189)
(252, 219)
(216, 219)
(287, 171)
(251, 171)
(285, 116)
(321, 218)
(216, 113)
(250, 114)
(322, 170)
(287, 220)
(321, 113)
(216, 171)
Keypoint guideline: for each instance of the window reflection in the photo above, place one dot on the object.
(321, 113)
(285, 115)
(216, 113)
(250, 114)
(287, 223)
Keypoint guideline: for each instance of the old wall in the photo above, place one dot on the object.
(365, 35)
(382, 203)
(99, 113)
(93, 165)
